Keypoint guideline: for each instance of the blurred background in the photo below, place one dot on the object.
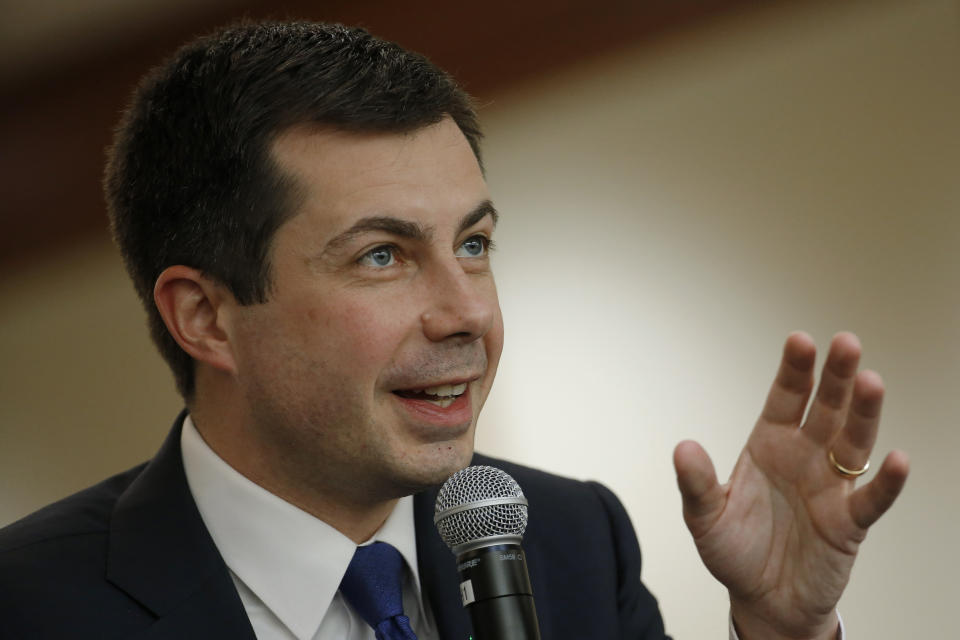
(681, 185)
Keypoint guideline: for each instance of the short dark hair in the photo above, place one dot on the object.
(190, 179)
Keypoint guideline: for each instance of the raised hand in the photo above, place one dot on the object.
(783, 533)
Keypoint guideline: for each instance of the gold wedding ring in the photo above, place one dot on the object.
(843, 471)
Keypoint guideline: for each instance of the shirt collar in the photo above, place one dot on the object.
(290, 559)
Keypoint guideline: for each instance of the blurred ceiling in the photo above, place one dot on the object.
(67, 67)
(36, 34)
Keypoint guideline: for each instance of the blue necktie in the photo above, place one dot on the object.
(373, 587)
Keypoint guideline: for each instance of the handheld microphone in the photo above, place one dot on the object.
(481, 514)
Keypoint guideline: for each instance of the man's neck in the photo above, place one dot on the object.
(357, 519)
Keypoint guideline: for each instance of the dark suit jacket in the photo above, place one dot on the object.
(131, 558)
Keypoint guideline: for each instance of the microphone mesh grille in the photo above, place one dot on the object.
(492, 520)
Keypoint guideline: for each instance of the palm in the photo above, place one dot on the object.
(783, 533)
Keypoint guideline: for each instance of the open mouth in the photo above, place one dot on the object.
(442, 396)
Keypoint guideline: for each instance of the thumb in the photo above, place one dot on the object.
(703, 497)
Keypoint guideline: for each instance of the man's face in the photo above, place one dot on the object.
(366, 369)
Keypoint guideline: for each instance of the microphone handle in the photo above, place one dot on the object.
(495, 588)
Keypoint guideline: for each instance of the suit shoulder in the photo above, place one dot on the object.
(582, 549)
(550, 488)
(83, 513)
(525, 475)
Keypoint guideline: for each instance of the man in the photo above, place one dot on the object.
(303, 212)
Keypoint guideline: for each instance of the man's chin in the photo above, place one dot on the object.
(435, 469)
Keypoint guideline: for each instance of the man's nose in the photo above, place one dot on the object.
(462, 306)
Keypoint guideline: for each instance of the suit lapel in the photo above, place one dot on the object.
(161, 554)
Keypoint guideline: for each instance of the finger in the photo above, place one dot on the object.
(872, 500)
(703, 498)
(791, 387)
(853, 444)
(829, 408)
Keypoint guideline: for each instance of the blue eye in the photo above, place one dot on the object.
(381, 256)
(473, 247)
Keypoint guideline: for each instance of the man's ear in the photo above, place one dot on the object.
(195, 307)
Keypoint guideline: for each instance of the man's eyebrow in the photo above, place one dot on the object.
(406, 229)
(482, 210)
(387, 224)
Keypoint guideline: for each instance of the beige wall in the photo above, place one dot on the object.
(668, 216)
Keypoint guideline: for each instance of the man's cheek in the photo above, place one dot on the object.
(494, 341)
(370, 344)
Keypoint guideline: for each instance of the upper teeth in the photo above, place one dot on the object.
(446, 389)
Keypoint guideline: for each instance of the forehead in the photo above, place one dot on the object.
(344, 175)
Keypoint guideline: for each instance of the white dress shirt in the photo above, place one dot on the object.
(287, 564)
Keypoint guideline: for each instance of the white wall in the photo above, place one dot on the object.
(668, 216)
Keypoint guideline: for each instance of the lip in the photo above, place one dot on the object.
(458, 414)
(451, 381)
